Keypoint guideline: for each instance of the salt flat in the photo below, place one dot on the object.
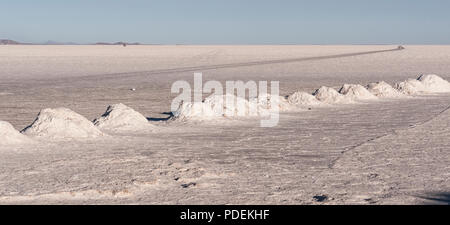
(388, 151)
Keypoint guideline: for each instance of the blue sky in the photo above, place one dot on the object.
(228, 21)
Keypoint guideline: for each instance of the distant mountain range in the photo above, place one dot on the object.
(8, 42)
(117, 43)
(12, 42)
(57, 43)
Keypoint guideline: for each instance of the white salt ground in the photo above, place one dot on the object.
(120, 117)
(61, 123)
(235, 164)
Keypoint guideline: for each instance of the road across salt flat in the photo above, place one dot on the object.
(240, 64)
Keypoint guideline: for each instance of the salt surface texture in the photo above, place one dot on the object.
(10, 136)
(121, 117)
(61, 123)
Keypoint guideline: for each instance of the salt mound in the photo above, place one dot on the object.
(303, 98)
(61, 123)
(121, 117)
(232, 106)
(411, 87)
(216, 106)
(194, 110)
(356, 91)
(265, 102)
(383, 89)
(330, 95)
(424, 84)
(10, 136)
(434, 83)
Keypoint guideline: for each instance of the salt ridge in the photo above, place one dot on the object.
(64, 123)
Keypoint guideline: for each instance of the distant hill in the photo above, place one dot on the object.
(8, 42)
(12, 42)
(117, 43)
(50, 42)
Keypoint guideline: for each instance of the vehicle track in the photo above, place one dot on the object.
(236, 65)
(392, 132)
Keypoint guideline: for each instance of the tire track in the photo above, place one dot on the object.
(392, 132)
(233, 65)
